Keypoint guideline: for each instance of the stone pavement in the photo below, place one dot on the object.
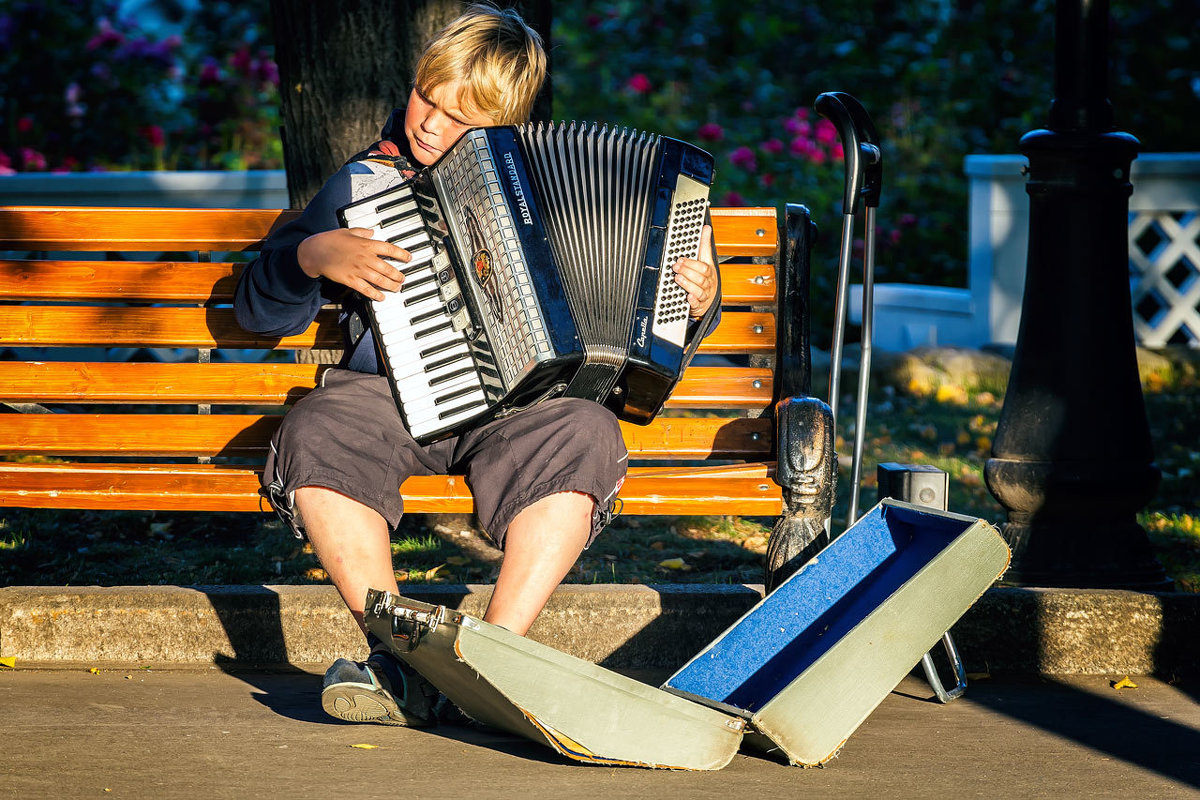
(208, 733)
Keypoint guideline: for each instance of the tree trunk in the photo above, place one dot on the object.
(344, 65)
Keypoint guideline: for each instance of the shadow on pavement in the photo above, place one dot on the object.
(1114, 728)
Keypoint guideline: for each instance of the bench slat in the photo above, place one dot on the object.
(201, 487)
(738, 231)
(214, 282)
(244, 435)
(177, 281)
(137, 229)
(102, 326)
(257, 384)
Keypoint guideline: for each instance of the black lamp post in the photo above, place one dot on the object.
(1072, 461)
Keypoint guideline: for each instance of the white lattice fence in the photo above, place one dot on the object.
(1164, 275)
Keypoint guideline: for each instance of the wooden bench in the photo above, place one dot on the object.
(90, 431)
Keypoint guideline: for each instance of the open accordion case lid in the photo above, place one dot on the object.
(793, 678)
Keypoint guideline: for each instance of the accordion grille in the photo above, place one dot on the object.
(595, 185)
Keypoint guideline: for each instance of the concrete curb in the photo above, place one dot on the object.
(1010, 630)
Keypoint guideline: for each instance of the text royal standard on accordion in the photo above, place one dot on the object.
(541, 267)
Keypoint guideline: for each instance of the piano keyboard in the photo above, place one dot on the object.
(421, 327)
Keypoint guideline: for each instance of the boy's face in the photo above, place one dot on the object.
(435, 121)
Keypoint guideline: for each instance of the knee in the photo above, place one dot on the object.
(592, 426)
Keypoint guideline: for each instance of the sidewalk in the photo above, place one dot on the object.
(206, 733)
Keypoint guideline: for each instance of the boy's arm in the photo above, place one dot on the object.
(274, 296)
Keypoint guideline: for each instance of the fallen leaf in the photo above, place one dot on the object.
(365, 746)
(94, 671)
(674, 563)
(458, 561)
(1124, 683)
(8, 662)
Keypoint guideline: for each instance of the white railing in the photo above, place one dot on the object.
(1164, 253)
(199, 189)
(1164, 261)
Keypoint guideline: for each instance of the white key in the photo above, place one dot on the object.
(416, 404)
(424, 416)
(419, 368)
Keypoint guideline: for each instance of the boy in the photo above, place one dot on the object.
(544, 480)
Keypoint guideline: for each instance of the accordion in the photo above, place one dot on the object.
(541, 267)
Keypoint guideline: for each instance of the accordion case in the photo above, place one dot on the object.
(541, 267)
(793, 678)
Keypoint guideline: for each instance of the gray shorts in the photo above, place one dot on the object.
(347, 435)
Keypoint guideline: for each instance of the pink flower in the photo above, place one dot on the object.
(801, 113)
(31, 159)
(210, 72)
(105, 36)
(802, 146)
(68, 164)
(6, 164)
(797, 127)
(744, 158)
(241, 61)
(894, 237)
(710, 132)
(25, 123)
(773, 146)
(837, 152)
(767, 180)
(908, 220)
(639, 84)
(153, 134)
(826, 133)
(733, 199)
(816, 156)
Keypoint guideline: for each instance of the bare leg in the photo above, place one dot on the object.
(352, 543)
(542, 544)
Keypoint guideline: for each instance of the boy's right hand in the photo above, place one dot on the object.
(350, 256)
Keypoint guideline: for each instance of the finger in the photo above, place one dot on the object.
(392, 251)
(385, 277)
(368, 291)
(693, 275)
(706, 246)
(696, 293)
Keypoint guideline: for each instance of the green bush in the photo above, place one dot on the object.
(82, 88)
(940, 81)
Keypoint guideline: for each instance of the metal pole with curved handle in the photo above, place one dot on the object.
(864, 178)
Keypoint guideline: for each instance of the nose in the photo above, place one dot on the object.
(434, 121)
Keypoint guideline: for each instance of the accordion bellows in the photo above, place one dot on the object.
(541, 268)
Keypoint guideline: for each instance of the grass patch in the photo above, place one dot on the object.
(948, 426)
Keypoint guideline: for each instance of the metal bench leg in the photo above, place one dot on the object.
(956, 664)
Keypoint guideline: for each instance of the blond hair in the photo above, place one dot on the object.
(498, 58)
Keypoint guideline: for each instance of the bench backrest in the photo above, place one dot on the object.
(118, 321)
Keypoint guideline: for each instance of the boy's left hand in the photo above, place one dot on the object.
(699, 276)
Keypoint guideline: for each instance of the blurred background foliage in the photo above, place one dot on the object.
(87, 86)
